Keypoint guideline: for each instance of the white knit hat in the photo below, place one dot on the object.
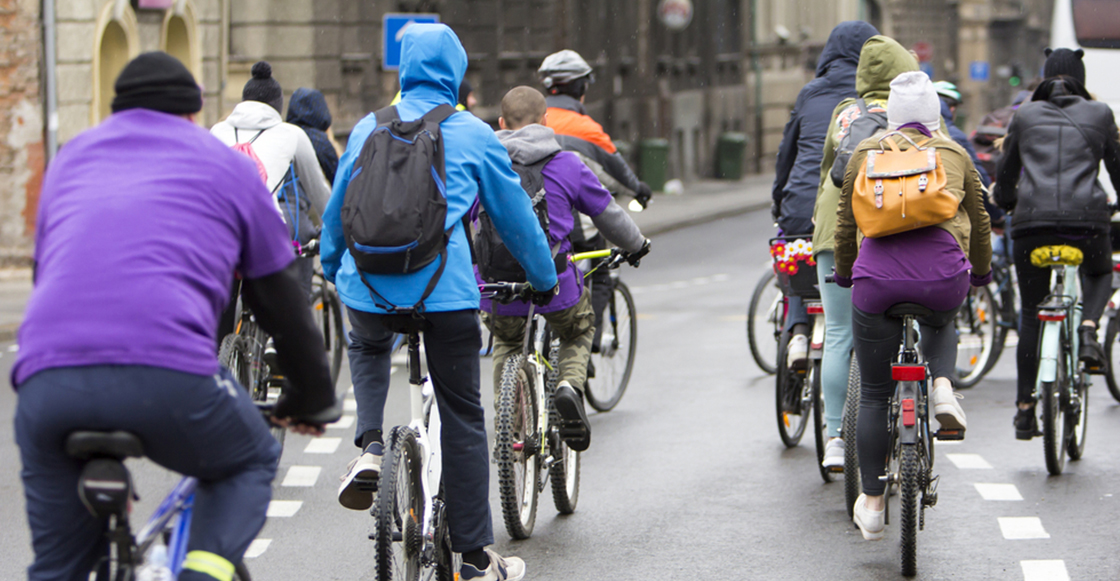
(913, 99)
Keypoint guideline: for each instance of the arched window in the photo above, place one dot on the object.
(115, 43)
(180, 37)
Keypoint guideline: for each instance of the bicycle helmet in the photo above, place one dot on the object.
(561, 68)
(948, 90)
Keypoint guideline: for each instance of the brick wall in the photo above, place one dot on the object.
(21, 126)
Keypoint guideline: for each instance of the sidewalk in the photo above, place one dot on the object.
(701, 202)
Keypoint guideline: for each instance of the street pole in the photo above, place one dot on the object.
(756, 67)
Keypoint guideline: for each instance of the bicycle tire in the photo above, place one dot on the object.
(447, 561)
(397, 530)
(911, 485)
(792, 403)
(564, 473)
(1113, 355)
(1076, 417)
(235, 354)
(1054, 435)
(852, 484)
(820, 434)
(518, 461)
(241, 573)
(615, 360)
(329, 315)
(767, 323)
(978, 318)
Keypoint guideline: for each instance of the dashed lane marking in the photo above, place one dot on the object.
(283, 508)
(302, 476)
(1052, 570)
(1018, 528)
(343, 422)
(322, 446)
(969, 461)
(349, 405)
(998, 491)
(257, 548)
(681, 284)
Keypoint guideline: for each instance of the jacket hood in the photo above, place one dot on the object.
(844, 43)
(254, 115)
(529, 144)
(433, 63)
(880, 61)
(308, 108)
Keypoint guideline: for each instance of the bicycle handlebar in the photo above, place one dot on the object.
(506, 292)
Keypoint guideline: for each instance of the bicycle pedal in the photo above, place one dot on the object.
(944, 435)
(365, 485)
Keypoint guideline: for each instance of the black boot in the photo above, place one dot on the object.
(575, 429)
(1026, 424)
(1092, 354)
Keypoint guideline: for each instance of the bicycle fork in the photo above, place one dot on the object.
(427, 425)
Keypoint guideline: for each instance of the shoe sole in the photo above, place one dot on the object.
(1024, 435)
(357, 492)
(574, 428)
(868, 535)
(947, 419)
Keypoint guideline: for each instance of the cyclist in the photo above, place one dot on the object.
(950, 100)
(141, 224)
(880, 60)
(798, 176)
(929, 266)
(307, 109)
(478, 169)
(1047, 177)
(569, 187)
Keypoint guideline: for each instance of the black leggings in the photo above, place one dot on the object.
(1034, 285)
(877, 340)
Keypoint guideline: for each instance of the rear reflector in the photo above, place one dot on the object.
(908, 372)
(908, 412)
(1051, 315)
(814, 309)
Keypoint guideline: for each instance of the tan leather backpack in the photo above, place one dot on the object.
(897, 190)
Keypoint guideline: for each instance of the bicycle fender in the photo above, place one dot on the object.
(1048, 352)
(908, 391)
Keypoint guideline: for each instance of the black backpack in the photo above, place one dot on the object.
(495, 262)
(865, 125)
(395, 206)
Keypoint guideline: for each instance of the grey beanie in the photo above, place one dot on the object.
(262, 87)
(913, 100)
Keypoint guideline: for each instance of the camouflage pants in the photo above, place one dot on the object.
(574, 325)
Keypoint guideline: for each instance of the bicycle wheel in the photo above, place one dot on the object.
(615, 360)
(241, 573)
(1054, 435)
(564, 473)
(820, 435)
(517, 447)
(793, 399)
(447, 561)
(1113, 353)
(912, 485)
(852, 484)
(240, 354)
(764, 325)
(398, 532)
(978, 331)
(327, 309)
(1077, 415)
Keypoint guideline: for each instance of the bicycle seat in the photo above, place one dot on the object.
(900, 310)
(406, 323)
(118, 444)
(1047, 256)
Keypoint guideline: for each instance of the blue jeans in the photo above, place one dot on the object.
(192, 424)
(452, 345)
(837, 356)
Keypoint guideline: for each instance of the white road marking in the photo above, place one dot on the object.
(1022, 527)
(13, 348)
(301, 476)
(349, 405)
(322, 446)
(257, 548)
(941, 443)
(998, 491)
(721, 277)
(1054, 570)
(969, 461)
(283, 508)
(343, 422)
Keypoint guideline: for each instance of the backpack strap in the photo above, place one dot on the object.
(862, 106)
(236, 139)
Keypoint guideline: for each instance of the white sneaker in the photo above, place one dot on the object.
(360, 482)
(500, 569)
(946, 408)
(834, 455)
(870, 522)
(797, 355)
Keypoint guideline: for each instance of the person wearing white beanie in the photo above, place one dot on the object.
(913, 99)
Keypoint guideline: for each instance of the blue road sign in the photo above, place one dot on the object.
(979, 71)
(392, 29)
(927, 68)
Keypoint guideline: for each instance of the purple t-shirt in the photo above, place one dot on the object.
(924, 266)
(141, 224)
(568, 184)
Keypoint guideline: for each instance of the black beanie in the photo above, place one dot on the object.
(262, 87)
(1066, 62)
(157, 81)
(465, 89)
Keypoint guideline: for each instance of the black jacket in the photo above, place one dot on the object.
(994, 212)
(1059, 158)
(798, 169)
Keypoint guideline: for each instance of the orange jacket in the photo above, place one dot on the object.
(567, 122)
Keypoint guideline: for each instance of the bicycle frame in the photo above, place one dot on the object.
(1061, 310)
(175, 512)
(427, 425)
(532, 348)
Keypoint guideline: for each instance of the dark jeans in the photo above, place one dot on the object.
(451, 345)
(201, 426)
(877, 340)
(1034, 285)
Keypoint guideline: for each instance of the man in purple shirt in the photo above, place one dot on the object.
(569, 187)
(142, 222)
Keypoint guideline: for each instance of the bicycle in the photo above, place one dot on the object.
(411, 536)
(328, 311)
(1112, 331)
(1065, 398)
(529, 447)
(242, 352)
(985, 319)
(765, 317)
(797, 391)
(613, 362)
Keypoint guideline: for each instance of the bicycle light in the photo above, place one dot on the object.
(908, 372)
(814, 309)
(1051, 315)
(908, 412)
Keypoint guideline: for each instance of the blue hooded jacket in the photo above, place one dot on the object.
(798, 169)
(478, 169)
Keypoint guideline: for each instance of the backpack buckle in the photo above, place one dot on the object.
(923, 181)
(879, 193)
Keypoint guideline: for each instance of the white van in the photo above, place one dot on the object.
(1094, 26)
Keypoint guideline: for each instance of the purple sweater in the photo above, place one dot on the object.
(924, 266)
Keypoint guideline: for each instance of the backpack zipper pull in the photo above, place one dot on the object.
(923, 181)
(879, 193)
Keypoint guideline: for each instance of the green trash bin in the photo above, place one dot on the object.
(653, 163)
(730, 153)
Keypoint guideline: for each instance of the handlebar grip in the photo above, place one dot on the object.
(829, 278)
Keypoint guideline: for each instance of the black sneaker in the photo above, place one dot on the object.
(1026, 424)
(1091, 353)
(574, 427)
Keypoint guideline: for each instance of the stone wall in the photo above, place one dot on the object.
(21, 126)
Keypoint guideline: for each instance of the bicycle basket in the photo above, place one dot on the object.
(794, 265)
